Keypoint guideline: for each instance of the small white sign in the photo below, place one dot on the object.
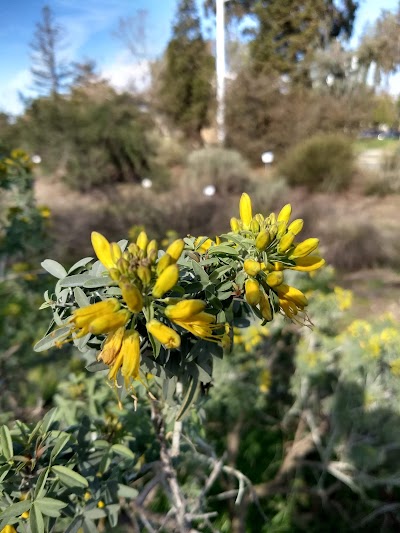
(210, 190)
(147, 183)
(267, 158)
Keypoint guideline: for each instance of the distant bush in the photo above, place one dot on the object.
(91, 139)
(325, 162)
(387, 179)
(227, 170)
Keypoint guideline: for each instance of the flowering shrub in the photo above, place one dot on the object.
(151, 316)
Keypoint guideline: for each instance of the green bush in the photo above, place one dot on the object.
(325, 162)
(225, 169)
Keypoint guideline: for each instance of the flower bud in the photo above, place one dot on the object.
(308, 263)
(251, 267)
(262, 240)
(286, 242)
(152, 250)
(162, 264)
(166, 281)
(284, 214)
(144, 274)
(296, 226)
(245, 209)
(254, 226)
(130, 356)
(253, 293)
(235, 226)
(265, 307)
(304, 248)
(102, 249)
(142, 241)
(175, 249)
(275, 278)
(132, 296)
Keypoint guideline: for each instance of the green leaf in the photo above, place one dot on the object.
(60, 444)
(69, 477)
(81, 299)
(94, 283)
(80, 263)
(50, 340)
(16, 509)
(48, 419)
(127, 492)
(96, 366)
(189, 398)
(120, 449)
(75, 525)
(6, 444)
(76, 280)
(89, 526)
(54, 268)
(95, 513)
(222, 249)
(36, 520)
(50, 506)
(200, 272)
(39, 489)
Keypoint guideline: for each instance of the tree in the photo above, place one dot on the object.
(185, 86)
(50, 72)
(379, 47)
(287, 32)
(290, 32)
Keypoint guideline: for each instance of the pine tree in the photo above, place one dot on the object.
(50, 73)
(290, 31)
(185, 86)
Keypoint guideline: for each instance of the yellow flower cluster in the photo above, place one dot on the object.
(143, 279)
(274, 249)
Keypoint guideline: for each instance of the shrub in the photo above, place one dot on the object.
(387, 179)
(225, 169)
(325, 162)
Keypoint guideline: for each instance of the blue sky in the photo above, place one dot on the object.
(89, 26)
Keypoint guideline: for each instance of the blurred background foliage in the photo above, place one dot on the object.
(310, 416)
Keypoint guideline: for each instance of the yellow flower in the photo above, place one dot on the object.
(131, 295)
(112, 347)
(110, 322)
(304, 248)
(292, 294)
(166, 335)
(128, 358)
(101, 504)
(10, 529)
(107, 253)
(184, 309)
(308, 264)
(167, 279)
(265, 381)
(344, 298)
(395, 367)
(204, 246)
(84, 317)
(163, 263)
(245, 210)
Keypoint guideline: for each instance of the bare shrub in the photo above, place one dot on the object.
(227, 170)
(387, 179)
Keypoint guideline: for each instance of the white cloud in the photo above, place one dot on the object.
(123, 73)
(21, 82)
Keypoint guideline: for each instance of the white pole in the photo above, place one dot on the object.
(220, 68)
